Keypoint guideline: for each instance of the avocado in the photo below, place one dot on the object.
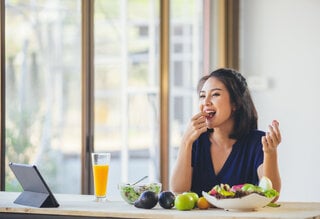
(147, 200)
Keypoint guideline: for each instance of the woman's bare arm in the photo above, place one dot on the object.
(270, 167)
(180, 180)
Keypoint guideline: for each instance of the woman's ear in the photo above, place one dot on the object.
(234, 107)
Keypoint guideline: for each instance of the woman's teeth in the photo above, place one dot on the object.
(211, 114)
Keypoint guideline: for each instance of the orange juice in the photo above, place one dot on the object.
(100, 178)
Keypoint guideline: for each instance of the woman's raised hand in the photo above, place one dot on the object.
(196, 127)
(272, 138)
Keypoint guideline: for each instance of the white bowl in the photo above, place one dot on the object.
(247, 203)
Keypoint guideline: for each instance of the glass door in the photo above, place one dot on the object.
(126, 98)
(186, 66)
(43, 90)
(43, 86)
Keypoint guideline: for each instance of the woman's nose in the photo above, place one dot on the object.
(207, 100)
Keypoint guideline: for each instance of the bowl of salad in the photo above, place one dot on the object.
(130, 193)
(244, 197)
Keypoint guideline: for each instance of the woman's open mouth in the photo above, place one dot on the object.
(210, 114)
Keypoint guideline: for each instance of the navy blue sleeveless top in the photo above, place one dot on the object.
(240, 167)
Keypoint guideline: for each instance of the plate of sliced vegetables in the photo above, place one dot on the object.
(245, 197)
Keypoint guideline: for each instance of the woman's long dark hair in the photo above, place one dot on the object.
(245, 115)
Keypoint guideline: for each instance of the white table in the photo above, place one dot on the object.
(83, 206)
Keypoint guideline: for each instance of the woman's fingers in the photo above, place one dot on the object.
(198, 120)
(274, 133)
(267, 145)
(272, 138)
(197, 116)
(275, 126)
(264, 143)
(197, 126)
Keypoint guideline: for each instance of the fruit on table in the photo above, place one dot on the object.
(202, 203)
(147, 200)
(194, 196)
(166, 199)
(184, 202)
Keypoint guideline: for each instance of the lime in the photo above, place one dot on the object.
(183, 202)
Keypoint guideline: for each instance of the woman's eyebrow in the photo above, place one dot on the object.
(213, 89)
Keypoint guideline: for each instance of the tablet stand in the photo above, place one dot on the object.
(35, 199)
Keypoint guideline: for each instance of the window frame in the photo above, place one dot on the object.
(2, 95)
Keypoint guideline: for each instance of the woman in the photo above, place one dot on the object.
(222, 143)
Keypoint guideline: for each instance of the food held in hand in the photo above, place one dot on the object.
(166, 199)
(147, 200)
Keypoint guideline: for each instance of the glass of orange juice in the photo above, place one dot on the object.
(100, 165)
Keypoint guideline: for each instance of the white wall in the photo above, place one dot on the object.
(280, 42)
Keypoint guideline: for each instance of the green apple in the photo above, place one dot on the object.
(194, 197)
(184, 202)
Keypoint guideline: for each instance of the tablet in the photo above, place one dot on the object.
(36, 191)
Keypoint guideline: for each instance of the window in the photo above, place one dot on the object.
(44, 87)
(127, 99)
(43, 90)
(186, 63)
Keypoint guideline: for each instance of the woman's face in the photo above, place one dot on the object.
(214, 99)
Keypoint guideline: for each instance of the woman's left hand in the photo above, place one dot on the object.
(272, 138)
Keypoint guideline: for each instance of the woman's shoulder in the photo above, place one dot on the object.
(256, 133)
(252, 138)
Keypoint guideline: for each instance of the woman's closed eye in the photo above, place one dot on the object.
(202, 96)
